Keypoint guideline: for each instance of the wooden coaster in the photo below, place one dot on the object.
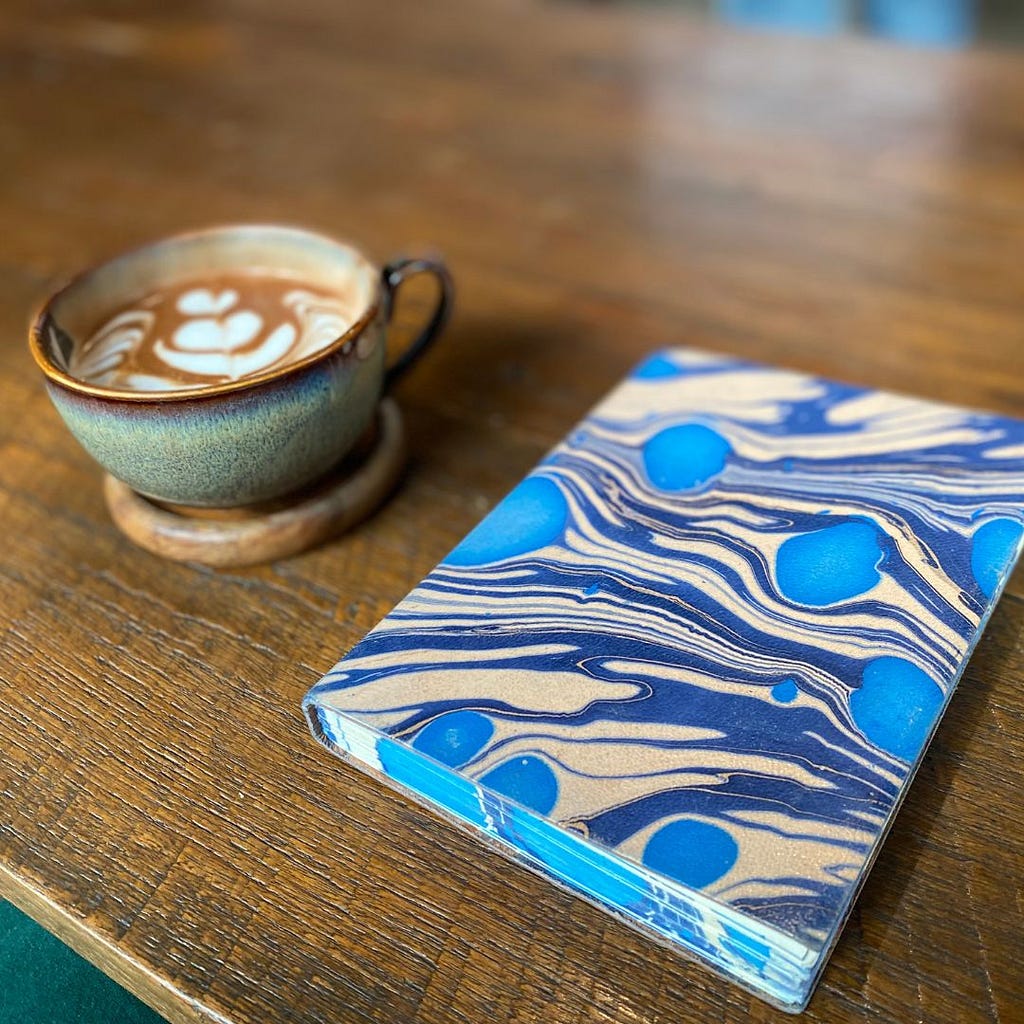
(263, 533)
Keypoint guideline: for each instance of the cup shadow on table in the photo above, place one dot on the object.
(484, 394)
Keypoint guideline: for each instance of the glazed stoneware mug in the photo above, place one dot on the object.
(229, 366)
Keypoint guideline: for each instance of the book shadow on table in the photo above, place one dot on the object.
(922, 872)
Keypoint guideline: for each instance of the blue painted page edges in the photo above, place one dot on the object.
(687, 667)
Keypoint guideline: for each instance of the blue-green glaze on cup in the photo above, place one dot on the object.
(245, 441)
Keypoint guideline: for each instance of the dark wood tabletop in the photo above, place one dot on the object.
(603, 181)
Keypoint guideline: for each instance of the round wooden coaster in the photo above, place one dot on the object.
(263, 533)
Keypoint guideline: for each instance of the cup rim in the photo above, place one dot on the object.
(58, 376)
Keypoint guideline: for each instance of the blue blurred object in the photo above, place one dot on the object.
(949, 23)
(817, 17)
(926, 22)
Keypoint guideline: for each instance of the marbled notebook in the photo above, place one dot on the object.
(688, 666)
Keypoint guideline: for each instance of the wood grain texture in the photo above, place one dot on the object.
(602, 182)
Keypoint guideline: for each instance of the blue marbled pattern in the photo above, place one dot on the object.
(688, 664)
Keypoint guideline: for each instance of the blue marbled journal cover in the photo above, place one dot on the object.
(688, 666)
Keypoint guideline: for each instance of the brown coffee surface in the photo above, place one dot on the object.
(210, 330)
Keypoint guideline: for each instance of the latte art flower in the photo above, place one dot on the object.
(209, 333)
(229, 344)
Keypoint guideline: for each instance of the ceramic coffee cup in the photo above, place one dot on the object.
(226, 441)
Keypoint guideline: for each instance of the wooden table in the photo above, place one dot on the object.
(603, 181)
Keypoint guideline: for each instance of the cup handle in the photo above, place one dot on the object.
(392, 276)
